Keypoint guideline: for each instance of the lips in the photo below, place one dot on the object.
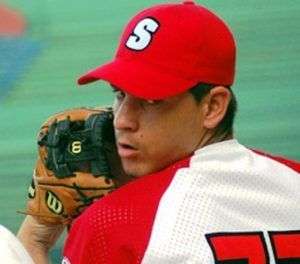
(126, 150)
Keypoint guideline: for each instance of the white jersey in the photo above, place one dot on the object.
(227, 203)
(11, 249)
(227, 192)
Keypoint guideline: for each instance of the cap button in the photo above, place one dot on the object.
(188, 2)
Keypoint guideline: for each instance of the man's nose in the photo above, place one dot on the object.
(126, 115)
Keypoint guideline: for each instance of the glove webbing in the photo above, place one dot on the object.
(75, 146)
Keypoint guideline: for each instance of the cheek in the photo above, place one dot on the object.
(172, 139)
(157, 153)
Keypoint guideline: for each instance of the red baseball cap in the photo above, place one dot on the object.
(167, 49)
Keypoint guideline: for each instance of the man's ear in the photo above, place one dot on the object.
(216, 104)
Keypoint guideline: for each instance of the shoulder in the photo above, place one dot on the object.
(140, 190)
(232, 150)
(292, 164)
(121, 220)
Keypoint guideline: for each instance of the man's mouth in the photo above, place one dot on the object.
(126, 150)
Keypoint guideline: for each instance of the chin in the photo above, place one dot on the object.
(135, 172)
(135, 169)
(138, 169)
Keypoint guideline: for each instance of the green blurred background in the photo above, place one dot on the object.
(63, 39)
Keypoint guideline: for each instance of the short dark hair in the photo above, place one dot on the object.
(200, 90)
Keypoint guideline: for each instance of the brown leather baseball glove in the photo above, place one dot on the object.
(77, 164)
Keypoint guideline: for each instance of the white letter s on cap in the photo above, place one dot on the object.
(141, 36)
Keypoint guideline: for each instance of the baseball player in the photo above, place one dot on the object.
(198, 195)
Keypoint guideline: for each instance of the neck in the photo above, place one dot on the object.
(213, 136)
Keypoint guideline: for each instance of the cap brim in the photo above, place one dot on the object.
(139, 79)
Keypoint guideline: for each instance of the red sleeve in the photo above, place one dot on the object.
(117, 228)
(79, 241)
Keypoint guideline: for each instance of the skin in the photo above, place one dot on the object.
(161, 132)
(38, 238)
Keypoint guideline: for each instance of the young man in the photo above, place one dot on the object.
(198, 195)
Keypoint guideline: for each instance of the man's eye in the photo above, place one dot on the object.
(119, 94)
(153, 102)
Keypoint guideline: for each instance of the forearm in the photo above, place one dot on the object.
(38, 239)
